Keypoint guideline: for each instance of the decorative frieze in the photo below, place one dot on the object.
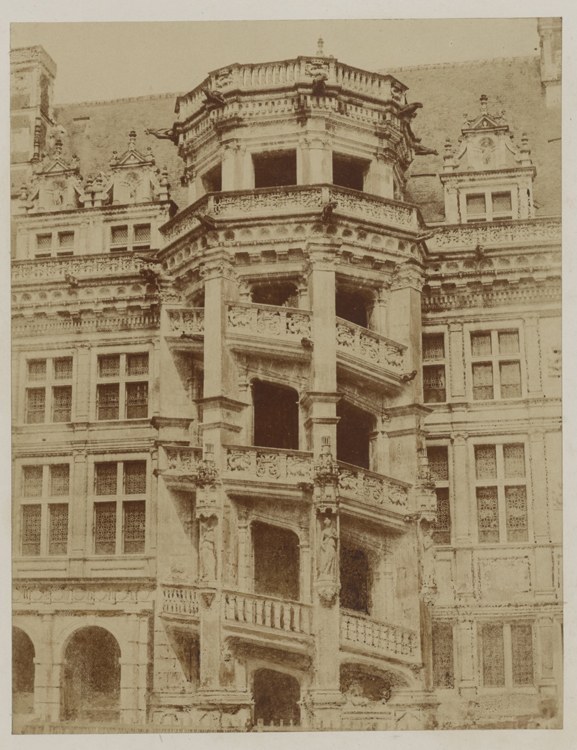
(189, 320)
(268, 320)
(369, 346)
(268, 464)
(34, 271)
(372, 488)
(497, 233)
(40, 326)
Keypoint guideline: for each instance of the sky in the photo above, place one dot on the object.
(116, 60)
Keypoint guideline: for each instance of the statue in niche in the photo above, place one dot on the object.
(428, 557)
(487, 151)
(328, 550)
(207, 552)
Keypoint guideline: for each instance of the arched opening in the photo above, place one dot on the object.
(280, 293)
(276, 416)
(355, 579)
(352, 305)
(354, 429)
(276, 561)
(276, 698)
(23, 654)
(91, 677)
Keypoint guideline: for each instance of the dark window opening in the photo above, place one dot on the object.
(351, 306)
(276, 416)
(212, 180)
(282, 293)
(22, 673)
(354, 568)
(349, 172)
(91, 677)
(276, 698)
(434, 384)
(443, 667)
(353, 435)
(276, 561)
(275, 169)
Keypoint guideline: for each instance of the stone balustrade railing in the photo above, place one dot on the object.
(180, 600)
(182, 460)
(369, 346)
(384, 638)
(241, 204)
(189, 320)
(268, 464)
(285, 323)
(286, 72)
(268, 612)
(372, 488)
(495, 234)
(51, 269)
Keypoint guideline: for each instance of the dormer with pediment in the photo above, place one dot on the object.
(134, 177)
(55, 185)
(488, 177)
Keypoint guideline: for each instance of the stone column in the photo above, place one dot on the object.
(404, 323)
(79, 514)
(380, 178)
(467, 650)
(456, 362)
(316, 156)
(544, 587)
(463, 515)
(533, 357)
(232, 165)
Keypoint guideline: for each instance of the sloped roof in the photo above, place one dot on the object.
(95, 129)
(448, 91)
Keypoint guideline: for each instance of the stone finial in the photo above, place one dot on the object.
(58, 148)
(132, 140)
(320, 50)
(484, 104)
(525, 150)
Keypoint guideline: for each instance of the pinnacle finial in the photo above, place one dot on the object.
(321, 43)
(484, 101)
(132, 139)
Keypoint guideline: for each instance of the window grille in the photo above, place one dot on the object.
(501, 204)
(106, 478)
(434, 389)
(514, 460)
(119, 236)
(433, 346)
(134, 477)
(63, 368)
(522, 653)
(488, 514)
(486, 461)
(443, 665)
(442, 527)
(66, 241)
(510, 380)
(62, 403)
(37, 369)
(438, 463)
(482, 382)
(142, 233)
(516, 510)
(58, 530)
(476, 207)
(31, 525)
(44, 242)
(134, 526)
(508, 342)
(137, 364)
(109, 366)
(480, 344)
(493, 655)
(105, 528)
(59, 480)
(136, 400)
(108, 401)
(32, 476)
(35, 405)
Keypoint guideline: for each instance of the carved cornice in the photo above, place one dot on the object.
(497, 296)
(41, 326)
(495, 233)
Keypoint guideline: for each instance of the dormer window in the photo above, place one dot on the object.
(489, 206)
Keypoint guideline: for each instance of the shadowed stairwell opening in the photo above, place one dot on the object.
(276, 561)
(276, 416)
(276, 698)
(353, 435)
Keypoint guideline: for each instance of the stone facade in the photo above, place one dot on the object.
(286, 455)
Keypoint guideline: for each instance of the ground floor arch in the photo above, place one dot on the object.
(276, 698)
(90, 681)
(23, 669)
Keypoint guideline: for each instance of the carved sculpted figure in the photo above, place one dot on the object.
(328, 550)
(207, 553)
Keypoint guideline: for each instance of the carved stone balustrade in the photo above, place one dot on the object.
(286, 73)
(268, 465)
(180, 600)
(238, 205)
(496, 234)
(283, 324)
(187, 320)
(267, 612)
(360, 343)
(55, 269)
(374, 489)
(361, 633)
(182, 464)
